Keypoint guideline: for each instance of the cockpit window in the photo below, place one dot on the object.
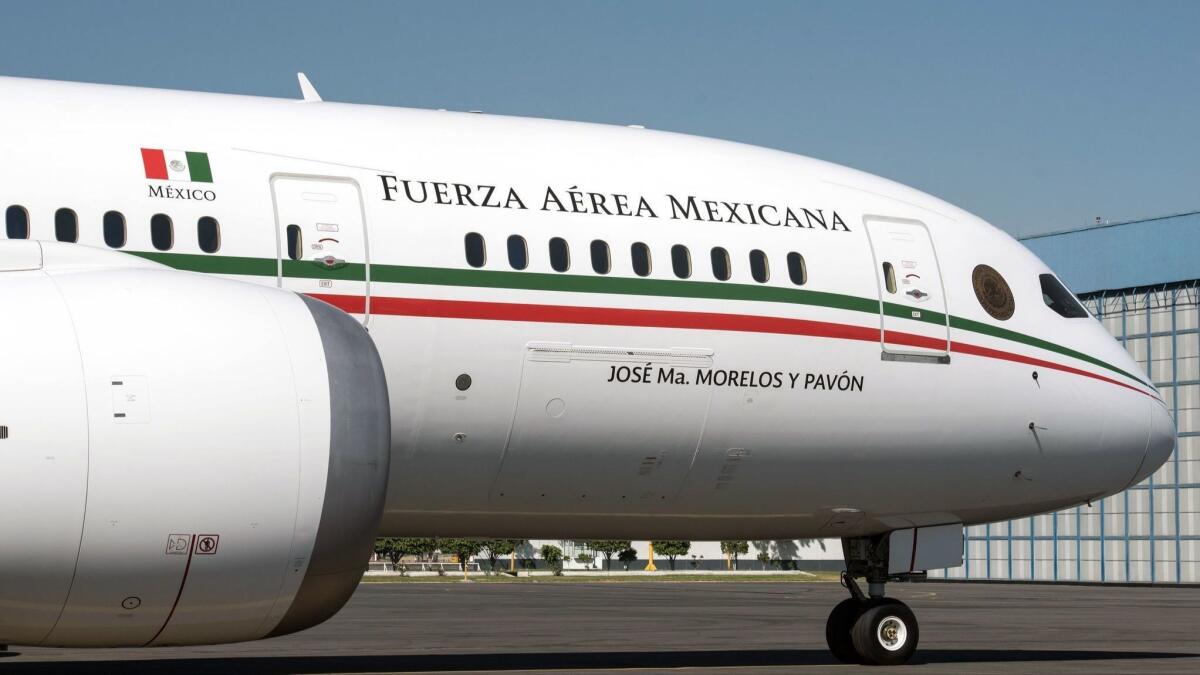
(1058, 298)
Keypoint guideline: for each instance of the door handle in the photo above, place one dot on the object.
(329, 262)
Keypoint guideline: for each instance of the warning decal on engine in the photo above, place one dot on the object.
(206, 544)
(178, 544)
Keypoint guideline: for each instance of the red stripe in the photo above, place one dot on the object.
(892, 337)
(656, 318)
(155, 164)
(988, 352)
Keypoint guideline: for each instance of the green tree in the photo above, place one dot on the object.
(553, 556)
(496, 548)
(463, 548)
(396, 548)
(733, 549)
(384, 547)
(627, 557)
(419, 548)
(672, 549)
(608, 548)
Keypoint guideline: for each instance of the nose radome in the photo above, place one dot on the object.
(1159, 444)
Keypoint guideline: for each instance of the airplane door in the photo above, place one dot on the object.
(912, 298)
(322, 239)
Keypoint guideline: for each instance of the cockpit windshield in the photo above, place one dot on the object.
(1058, 298)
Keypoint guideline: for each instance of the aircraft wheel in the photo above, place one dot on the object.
(837, 630)
(885, 633)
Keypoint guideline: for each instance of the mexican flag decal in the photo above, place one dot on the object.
(177, 165)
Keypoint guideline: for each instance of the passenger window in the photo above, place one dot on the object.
(162, 232)
(601, 260)
(114, 229)
(66, 225)
(1058, 298)
(476, 253)
(720, 264)
(560, 255)
(295, 242)
(518, 252)
(889, 277)
(208, 232)
(797, 270)
(681, 261)
(16, 222)
(641, 259)
(759, 269)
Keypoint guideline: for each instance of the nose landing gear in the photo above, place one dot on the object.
(838, 626)
(875, 631)
(870, 629)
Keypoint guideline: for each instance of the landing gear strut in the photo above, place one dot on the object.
(871, 629)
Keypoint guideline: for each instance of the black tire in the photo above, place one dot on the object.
(837, 630)
(885, 633)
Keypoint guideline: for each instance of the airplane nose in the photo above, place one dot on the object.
(1159, 444)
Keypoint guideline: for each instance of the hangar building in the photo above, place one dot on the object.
(1141, 279)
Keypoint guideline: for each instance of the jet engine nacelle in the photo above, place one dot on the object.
(183, 459)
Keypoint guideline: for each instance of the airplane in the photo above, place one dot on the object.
(244, 336)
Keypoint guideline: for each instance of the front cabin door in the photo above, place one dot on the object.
(322, 240)
(912, 297)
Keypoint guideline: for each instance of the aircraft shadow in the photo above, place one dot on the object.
(578, 661)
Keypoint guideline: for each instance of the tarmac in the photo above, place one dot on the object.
(693, 627)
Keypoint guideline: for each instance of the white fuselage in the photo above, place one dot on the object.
(607, 403)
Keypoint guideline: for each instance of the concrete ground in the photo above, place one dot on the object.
(687, 626)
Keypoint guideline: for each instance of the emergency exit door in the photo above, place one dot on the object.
(912, 298)
(322, 240)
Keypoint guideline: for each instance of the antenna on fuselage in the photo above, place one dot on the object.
(307, 90)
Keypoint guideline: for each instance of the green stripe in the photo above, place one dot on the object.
(212, 264)
(534, 281)
(303, 269)
(198, 166)
(905, 312)
(254, 267)
(1006, 334)
(573, 283)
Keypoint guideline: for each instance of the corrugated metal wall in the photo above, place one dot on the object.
(1133, 254)
(1150, 532)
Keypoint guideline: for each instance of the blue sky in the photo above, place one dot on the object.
(1035, 115)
